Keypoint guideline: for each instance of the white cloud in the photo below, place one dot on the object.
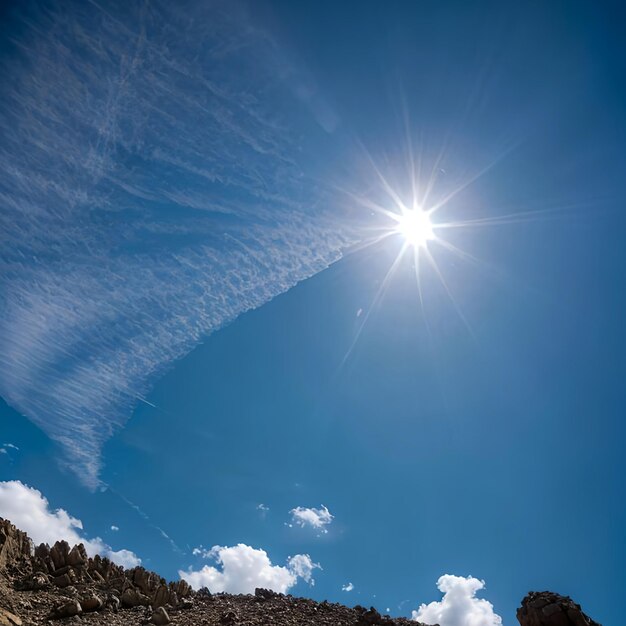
(263, 509)
(302, 566)
(347, 587)
(218, 216)
(30, 511)
(115, 528)
(315, 518)
(11, 445)
(459, 605)
(244, 568)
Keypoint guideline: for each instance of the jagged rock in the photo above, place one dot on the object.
(544, 608)
(69, 609)
(14, 544)
(62, 581)
(229, 618)
(91, 603)
(161, 596)
(185, 604)
(9, 619)
(160, 617)
(77, 556)
(33, 582)
(264, 594)
(131, 598)
(372, 617)
(59, 553)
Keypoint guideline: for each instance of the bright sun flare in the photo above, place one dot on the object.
(415, 226)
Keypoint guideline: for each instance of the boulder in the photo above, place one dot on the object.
(69, 609)
(91, 603)
(544, 608)
(131, 597)
(161, 596)
(160, 617)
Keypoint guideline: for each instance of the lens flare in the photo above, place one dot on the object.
(415, 226)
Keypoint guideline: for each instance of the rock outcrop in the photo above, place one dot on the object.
(62, 584)
(544, 608)
(15, 546)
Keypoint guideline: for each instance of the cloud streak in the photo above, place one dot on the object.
(150, 193)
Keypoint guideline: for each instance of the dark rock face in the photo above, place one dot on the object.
(544, 608)
(15, 546)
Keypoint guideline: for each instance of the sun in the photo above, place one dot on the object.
(415, 226)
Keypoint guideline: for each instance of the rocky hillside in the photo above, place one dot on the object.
(61, 584)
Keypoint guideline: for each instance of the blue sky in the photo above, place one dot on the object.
(192, 324)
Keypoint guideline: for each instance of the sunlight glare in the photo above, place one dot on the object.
(415, 226)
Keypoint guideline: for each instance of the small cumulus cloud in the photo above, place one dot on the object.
(242, 568)
(459, 605)
(263, 509)
(30, 511)
(115, 528)
(347, 587)
(315, 518)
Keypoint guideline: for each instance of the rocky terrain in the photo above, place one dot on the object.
(62, 585)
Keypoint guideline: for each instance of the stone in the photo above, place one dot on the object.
(91, 603)
(14, 544)
(77, 556)
(229, 618)
(9, 619)
(545, 608)
(160, 617)
(62, 581)
(161, 596)
(131, 598)
(59, 553)
(264, 594)
(69, 609)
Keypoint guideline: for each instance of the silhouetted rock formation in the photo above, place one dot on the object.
(544, 608)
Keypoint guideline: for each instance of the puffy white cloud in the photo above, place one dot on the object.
(315, 518)
(244, 568)
(30, 511)
(115, 528)
(347, 587)
(302, 566)
(459, 605)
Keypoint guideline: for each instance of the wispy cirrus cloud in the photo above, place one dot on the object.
(150, 192)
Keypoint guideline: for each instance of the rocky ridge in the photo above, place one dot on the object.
(62, 584)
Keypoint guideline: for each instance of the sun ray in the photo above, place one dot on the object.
(460, 313)
(377, 298)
